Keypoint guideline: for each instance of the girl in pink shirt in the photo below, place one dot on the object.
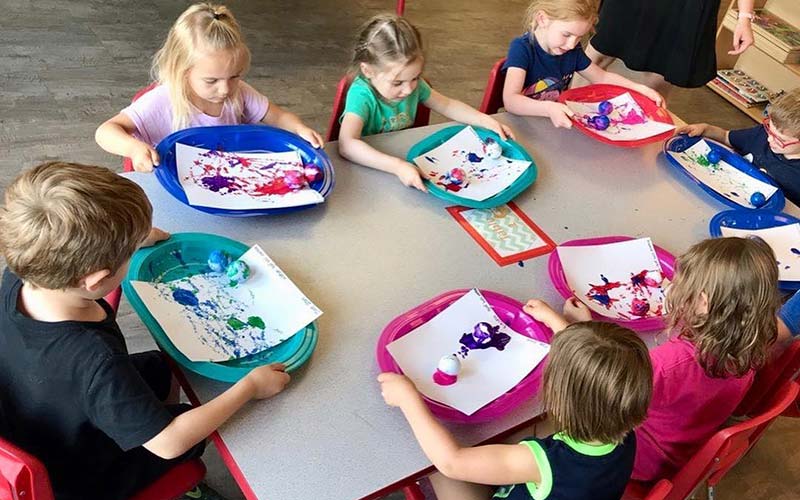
(198, 71)
(722, 308)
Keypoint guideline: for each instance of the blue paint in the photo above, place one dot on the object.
(794, 251)
(185, 297)
(473, 158)
(521, 264)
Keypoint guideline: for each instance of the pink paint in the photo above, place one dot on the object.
(443, 378)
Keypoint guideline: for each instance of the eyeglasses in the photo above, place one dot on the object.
(781, 143)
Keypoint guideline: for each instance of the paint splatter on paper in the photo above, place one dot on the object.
(242, 181)
(209, 320)
(494, 357)
(721, 176)
(624, 120)
(618, 280)
(784, 241)
(462, 165)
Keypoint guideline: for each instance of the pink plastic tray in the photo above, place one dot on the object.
(559, 280)
(509, 311)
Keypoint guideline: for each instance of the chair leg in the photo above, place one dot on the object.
(413, 492)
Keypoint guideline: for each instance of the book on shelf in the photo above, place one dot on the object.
(748, 87)
(773, 35)
(721, 87)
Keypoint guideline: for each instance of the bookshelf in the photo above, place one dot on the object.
(771, 60)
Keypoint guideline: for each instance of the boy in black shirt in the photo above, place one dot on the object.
(775, 144)
(71, 394)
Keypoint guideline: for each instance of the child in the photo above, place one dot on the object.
(775, 146)
(383, 97)
(71, 394)
(722, 314)
(541, 62)
(596, 389)
(198, 70)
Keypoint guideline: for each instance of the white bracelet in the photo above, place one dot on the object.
(746, 15)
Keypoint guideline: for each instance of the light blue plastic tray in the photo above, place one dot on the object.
(186, 254)
(511, 149)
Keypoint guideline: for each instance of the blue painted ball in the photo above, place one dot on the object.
(238, 272)
(605, 108)
(714, 156)
(758, 199)
(600, 122)
(218, 261)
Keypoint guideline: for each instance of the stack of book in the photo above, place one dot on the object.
(773, 35)
(740, 87)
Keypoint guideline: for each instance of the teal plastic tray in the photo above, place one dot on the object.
(186, 254)
(511, 149)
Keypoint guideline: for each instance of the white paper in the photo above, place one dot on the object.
(628, 121)
(486, 374)
(618, 280)
(240, 181)
(485, 177)
(784, 241)
(723, 178)
(218, 324)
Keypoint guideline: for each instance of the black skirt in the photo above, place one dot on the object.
(674, 38)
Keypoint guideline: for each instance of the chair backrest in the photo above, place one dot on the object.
(725, 448)
(493, 94)
(423, 112)
(22, 476)
(772, 376)
(127, 164)
(401, 7)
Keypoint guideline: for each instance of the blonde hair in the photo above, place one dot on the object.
(562, 10)
(201, 27)
(784, 111)
(739, 280)
(386, 39)
(597, 382)
(63, 221)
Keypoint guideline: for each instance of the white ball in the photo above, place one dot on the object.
(450, 365)
(494, 150)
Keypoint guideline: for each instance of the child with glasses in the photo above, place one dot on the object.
(775, 144)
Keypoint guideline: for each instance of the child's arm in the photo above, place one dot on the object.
(354, 149)
(460, 112)
(789, 319)
(596, 74)
(281, 118)
(115, 136)
(188, 429)
(543, 313)
(515, 102)
(496, 464)
(704, 129)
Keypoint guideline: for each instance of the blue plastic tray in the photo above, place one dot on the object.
(753, 219)
(682, 142)
(185, 254)
(511, 149)
(246, 139)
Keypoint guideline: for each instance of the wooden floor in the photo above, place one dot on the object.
(68, 65)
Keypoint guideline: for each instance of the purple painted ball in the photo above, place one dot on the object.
(600, 122)
(758, 199)
(605, 108)
(713, 156)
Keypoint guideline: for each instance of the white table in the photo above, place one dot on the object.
(377, 249)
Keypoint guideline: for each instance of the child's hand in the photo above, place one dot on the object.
(154, 237)
(504, 131)
(575, 311)
(652, 95)
(268, 380)
(560, 115)
(540, 311)
(397, 390)
(143, 157)
(309, 135)
(693, 130)
(409, 176)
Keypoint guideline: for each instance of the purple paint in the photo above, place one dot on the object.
(217, 182)
(485, 336)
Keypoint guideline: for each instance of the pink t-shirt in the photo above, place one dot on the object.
(687, 408)
(152, 113)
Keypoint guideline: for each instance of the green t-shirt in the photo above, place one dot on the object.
(379, 115)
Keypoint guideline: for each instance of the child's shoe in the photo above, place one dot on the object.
(202, 492)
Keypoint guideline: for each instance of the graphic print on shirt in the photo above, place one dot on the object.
(548, 88)
(399, 121)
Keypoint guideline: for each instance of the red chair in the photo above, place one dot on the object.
(770, 378)
(422, 119)
(401, 7)
(723, 450)
(127, 164)
(23, 477)
(493, 95)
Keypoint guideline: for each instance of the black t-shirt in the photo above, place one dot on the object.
(70, 394)
(785, 172)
